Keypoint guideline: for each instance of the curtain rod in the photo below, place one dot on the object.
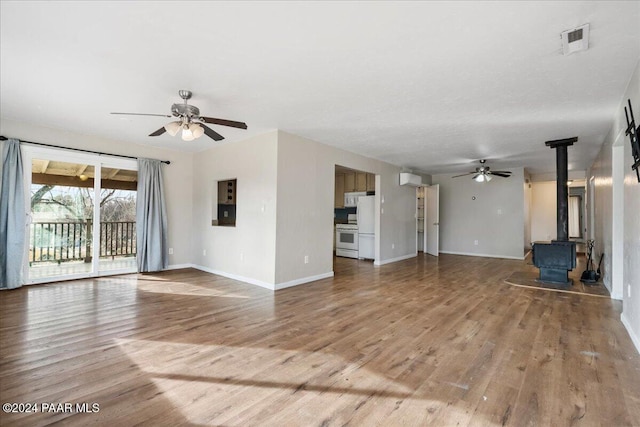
(4, 138)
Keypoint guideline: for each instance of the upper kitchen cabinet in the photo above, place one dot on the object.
(371, 182)
(355, 181)
(349, 182)
(361, 181)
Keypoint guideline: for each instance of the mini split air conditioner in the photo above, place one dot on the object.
(410, 179)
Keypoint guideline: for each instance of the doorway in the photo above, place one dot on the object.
(577, 213)
(82, 211)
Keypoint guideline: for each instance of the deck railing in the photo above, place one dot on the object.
(72, 241)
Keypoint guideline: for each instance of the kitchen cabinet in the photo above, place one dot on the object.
(371, 182)
(361, 181)
(349, 182)
(339, 193)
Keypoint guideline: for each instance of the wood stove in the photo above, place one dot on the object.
(557, 258)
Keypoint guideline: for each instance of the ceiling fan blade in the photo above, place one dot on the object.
(142, 114)
(464, 174)
(504, 175)
(223, 122)
(158, 132)
(501, 172)
(212, 133)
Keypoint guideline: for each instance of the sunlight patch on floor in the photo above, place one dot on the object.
(230, 384)
(183, 288)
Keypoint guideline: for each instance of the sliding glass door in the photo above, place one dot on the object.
(81, 215)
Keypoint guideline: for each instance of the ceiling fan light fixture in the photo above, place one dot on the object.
(482, 177)
(173, 128)
(187, 135)
(190, 121)
(196, 130)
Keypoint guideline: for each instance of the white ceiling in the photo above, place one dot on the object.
(431, 86)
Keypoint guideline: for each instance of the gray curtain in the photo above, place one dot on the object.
(12, 216)
(151, 217)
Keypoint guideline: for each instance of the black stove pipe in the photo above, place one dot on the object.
(562, 189)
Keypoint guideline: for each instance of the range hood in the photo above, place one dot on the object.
(410, 179)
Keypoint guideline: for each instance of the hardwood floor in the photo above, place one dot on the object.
(426, 341)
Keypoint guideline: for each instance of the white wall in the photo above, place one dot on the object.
(285, 209)
(631, 244)
(247, 251)
(543, 211)
(306, 174)
(495, 218)
(601, 172)
(178, 176)
(631, 263)
(626, 217)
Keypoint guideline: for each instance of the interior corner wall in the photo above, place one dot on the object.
(543, 211)
(495, 218)
(602, 174)
(178, 176)
(305, 205)
(247, 251)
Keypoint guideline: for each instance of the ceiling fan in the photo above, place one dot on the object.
(190, 121)
(484, 174)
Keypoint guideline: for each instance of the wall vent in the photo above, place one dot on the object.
(575, 40)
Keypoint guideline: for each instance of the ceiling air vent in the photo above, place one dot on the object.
(575, 40)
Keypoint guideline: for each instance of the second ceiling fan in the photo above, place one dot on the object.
(189, 121)
(484, 173)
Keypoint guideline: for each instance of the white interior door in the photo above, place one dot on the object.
(432, 219)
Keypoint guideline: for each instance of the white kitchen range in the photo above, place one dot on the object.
(347, 238)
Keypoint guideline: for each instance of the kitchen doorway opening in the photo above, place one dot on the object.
(354, 214)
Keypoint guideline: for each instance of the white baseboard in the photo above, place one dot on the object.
(400, 258)
(617, 296)
(630, 331)
(303, 280)
(248, 280)
(482, 255)
(271, 286)
(179, 266)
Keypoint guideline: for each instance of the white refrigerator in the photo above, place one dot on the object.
(366, 227)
